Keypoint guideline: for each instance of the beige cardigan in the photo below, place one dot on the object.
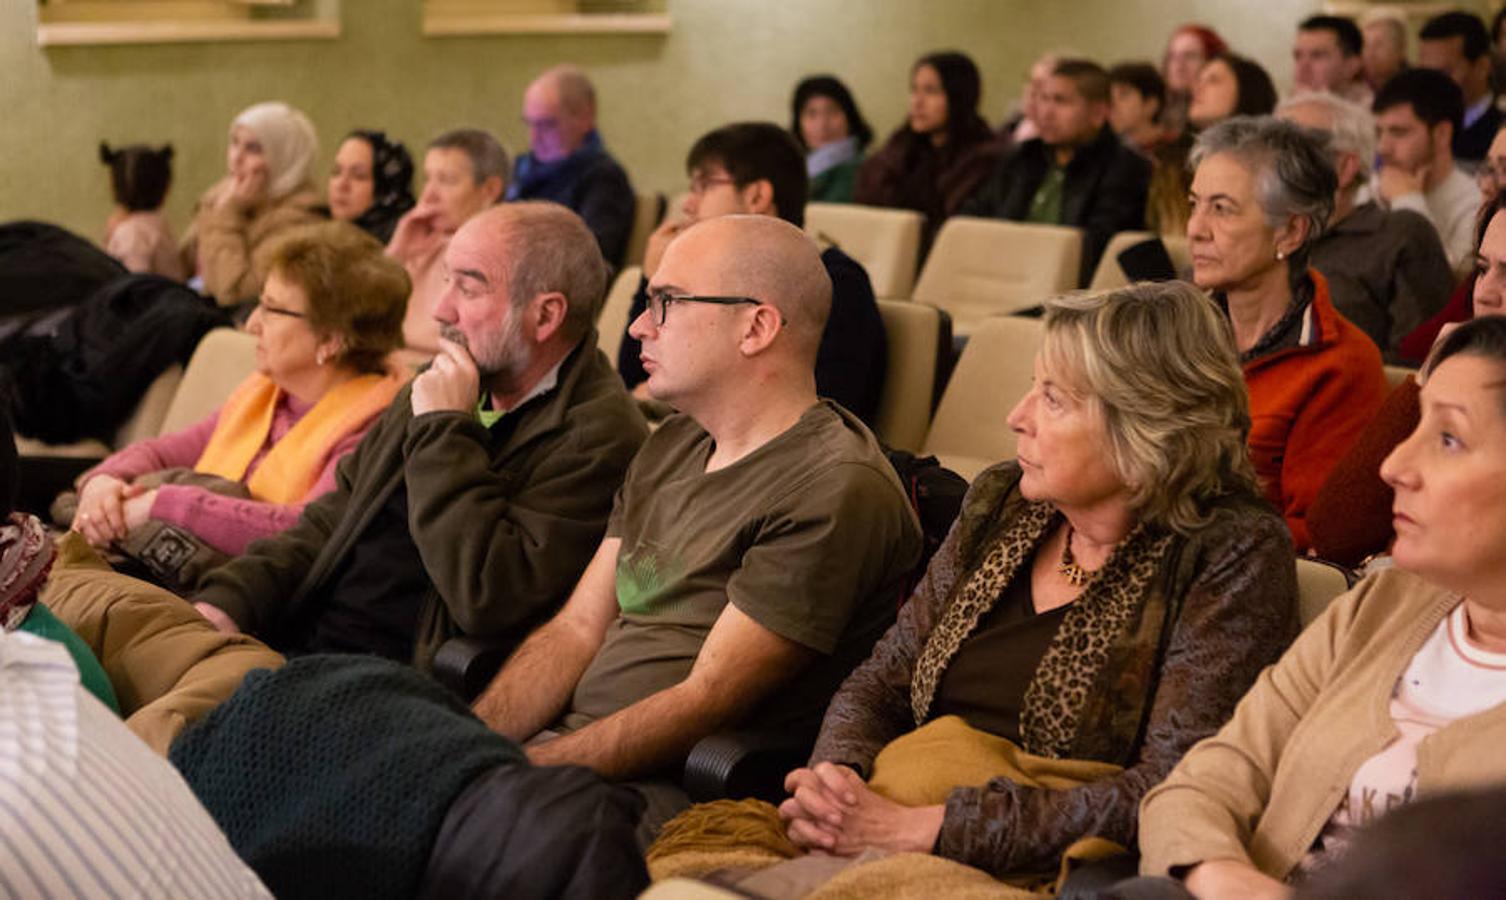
(229, 247)
(1262, 789)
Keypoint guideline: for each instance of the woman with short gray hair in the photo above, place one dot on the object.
(1262, 191)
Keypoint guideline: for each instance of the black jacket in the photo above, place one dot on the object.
(1104, 193)
(854, 349)
(595, 187)
(1472, 143)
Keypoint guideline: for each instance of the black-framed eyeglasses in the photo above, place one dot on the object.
(658, 303)
(270, 310)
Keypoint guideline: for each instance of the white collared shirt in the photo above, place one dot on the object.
(86, 808)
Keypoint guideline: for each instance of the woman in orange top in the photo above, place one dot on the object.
(1261, 193)
(330, 312)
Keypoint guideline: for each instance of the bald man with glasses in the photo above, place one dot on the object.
(759, 545)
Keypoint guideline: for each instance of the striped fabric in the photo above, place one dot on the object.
(86, 808)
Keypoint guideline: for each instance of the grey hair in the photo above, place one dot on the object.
(1293, 168)
(1159, 363)
(1351, 127)
(488, 159)
(551, 249)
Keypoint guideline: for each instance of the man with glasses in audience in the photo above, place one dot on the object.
(1076, 172)
(472, 505)
(758, 547)
(756, 167)
(567, 162)
(465, 171)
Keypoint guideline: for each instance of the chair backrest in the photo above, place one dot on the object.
(919, 336)
(612, 321)
(1318, 583)
(647, 212)
(1109, 273)
(1395, 375)
(146, 420)
(219, 364)
(969, 432)
(983, 267)
(885, 241)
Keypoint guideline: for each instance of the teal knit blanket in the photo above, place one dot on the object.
(332, 775)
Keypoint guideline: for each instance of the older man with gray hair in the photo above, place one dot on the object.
(567, 162)
(474, 502)
(1387, 271)
(756, 551)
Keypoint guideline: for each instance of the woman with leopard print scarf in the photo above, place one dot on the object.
(1100, 606)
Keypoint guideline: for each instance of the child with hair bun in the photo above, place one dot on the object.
(137, 233)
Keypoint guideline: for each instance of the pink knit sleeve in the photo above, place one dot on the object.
(179, 449)
(229, 524)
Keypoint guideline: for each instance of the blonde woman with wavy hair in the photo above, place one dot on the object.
(1100, 605)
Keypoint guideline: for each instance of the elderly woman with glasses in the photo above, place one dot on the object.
(1262, 191)
(1098, 608)
(330, 312)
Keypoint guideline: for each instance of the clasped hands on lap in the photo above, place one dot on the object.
(832, 810)
(109, 509)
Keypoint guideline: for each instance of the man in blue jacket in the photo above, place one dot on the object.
(567, 162)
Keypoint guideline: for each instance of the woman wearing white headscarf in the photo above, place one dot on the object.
(268, 187)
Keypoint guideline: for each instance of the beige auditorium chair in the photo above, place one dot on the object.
(886, 242)
(1109, 273)
(918, 336)
(612, 321)
(1318, 583)
(1395, 375)
(984, 267)
(969, 432)
(223, 359)
(647, 212)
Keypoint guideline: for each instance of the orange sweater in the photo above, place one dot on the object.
(1308, 404)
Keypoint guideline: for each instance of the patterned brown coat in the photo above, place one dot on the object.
(1178, 627)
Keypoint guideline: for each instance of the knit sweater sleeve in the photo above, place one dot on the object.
(230, 524)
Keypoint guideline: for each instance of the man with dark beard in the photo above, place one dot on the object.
(475, 502)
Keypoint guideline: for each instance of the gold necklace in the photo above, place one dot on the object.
(1069, 568)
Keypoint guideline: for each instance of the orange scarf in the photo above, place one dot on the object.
(292, 466)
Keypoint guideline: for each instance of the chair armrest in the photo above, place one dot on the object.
(738, 764)
(466, 665)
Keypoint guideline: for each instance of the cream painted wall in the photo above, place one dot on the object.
(724, 60)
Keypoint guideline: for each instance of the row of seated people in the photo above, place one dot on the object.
(1387, 271)
(1060, 163)
(1314, 379)
(757, 544)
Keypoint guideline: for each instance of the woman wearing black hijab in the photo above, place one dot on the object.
(933, 162)
(371, 183)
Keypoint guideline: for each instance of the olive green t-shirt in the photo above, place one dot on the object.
(810, 535)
